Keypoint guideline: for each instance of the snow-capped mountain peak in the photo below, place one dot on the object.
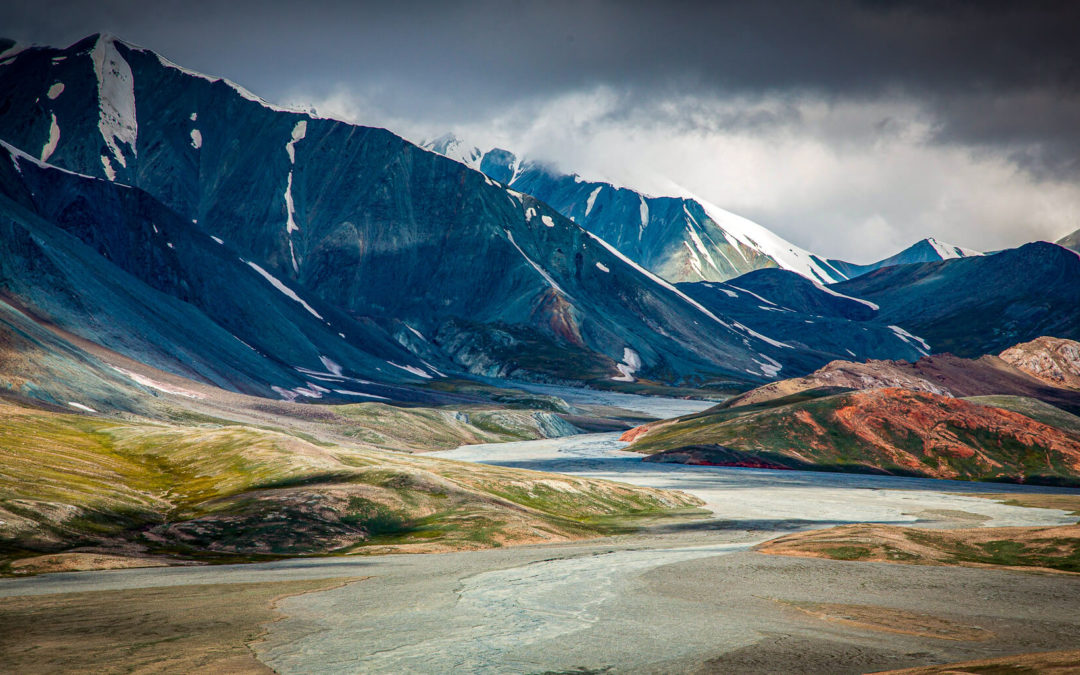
(680, 237)
(950, 251)
(456, 149)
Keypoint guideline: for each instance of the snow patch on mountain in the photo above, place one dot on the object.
(763, 338)
(106, 166)
(766, 300)
(290, 208)
(276, 283)
(770, 367)
(907, 337)
(312, 390)
(154, 384)
(298, 133)
(54, 138)
(116, 100)
(592, 200)
(630, 365)
(547, 277)
(695, 263)
(734, 243)
(456, 149)
(347, 392)
(412, 369)
(331, 366)
(700, 246)
(196, 139)
(830, 291)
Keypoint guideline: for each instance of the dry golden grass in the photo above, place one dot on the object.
(99, 485)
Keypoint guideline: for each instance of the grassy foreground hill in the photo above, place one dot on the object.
(231, 492)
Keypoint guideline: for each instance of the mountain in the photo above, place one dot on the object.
(241, 244)
(979, 305)
(893, 431)
(677, 238)
(1071, 241)
(114, 266)
(806, 315)
(380, 238)
(926, 250)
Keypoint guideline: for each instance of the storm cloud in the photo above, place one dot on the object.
(852, 128)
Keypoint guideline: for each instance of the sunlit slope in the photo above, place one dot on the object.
(70, 480)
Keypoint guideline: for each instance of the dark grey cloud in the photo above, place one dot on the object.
(508, 45)
(996, 72)
(899, 119)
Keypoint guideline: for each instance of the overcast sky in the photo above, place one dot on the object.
(851, 128)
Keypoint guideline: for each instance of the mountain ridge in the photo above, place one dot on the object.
(681, 238)
(378, 237)
(924, 250)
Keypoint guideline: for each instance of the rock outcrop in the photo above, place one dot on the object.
(1052, 360)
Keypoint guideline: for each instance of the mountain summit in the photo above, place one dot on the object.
(680, 238)
(925, 250)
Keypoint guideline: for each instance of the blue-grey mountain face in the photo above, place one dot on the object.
(926, 250)
(981, 304)
(277, 253)
(351, 220)
(807, 315)
(679, 239)
(115, 266)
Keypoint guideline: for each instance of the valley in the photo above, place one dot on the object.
(284, 392)
(682, 595)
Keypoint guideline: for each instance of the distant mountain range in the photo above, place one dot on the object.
(926, 250)
(679, 238)
(180, 221)
(982, 304)
(261, 249)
